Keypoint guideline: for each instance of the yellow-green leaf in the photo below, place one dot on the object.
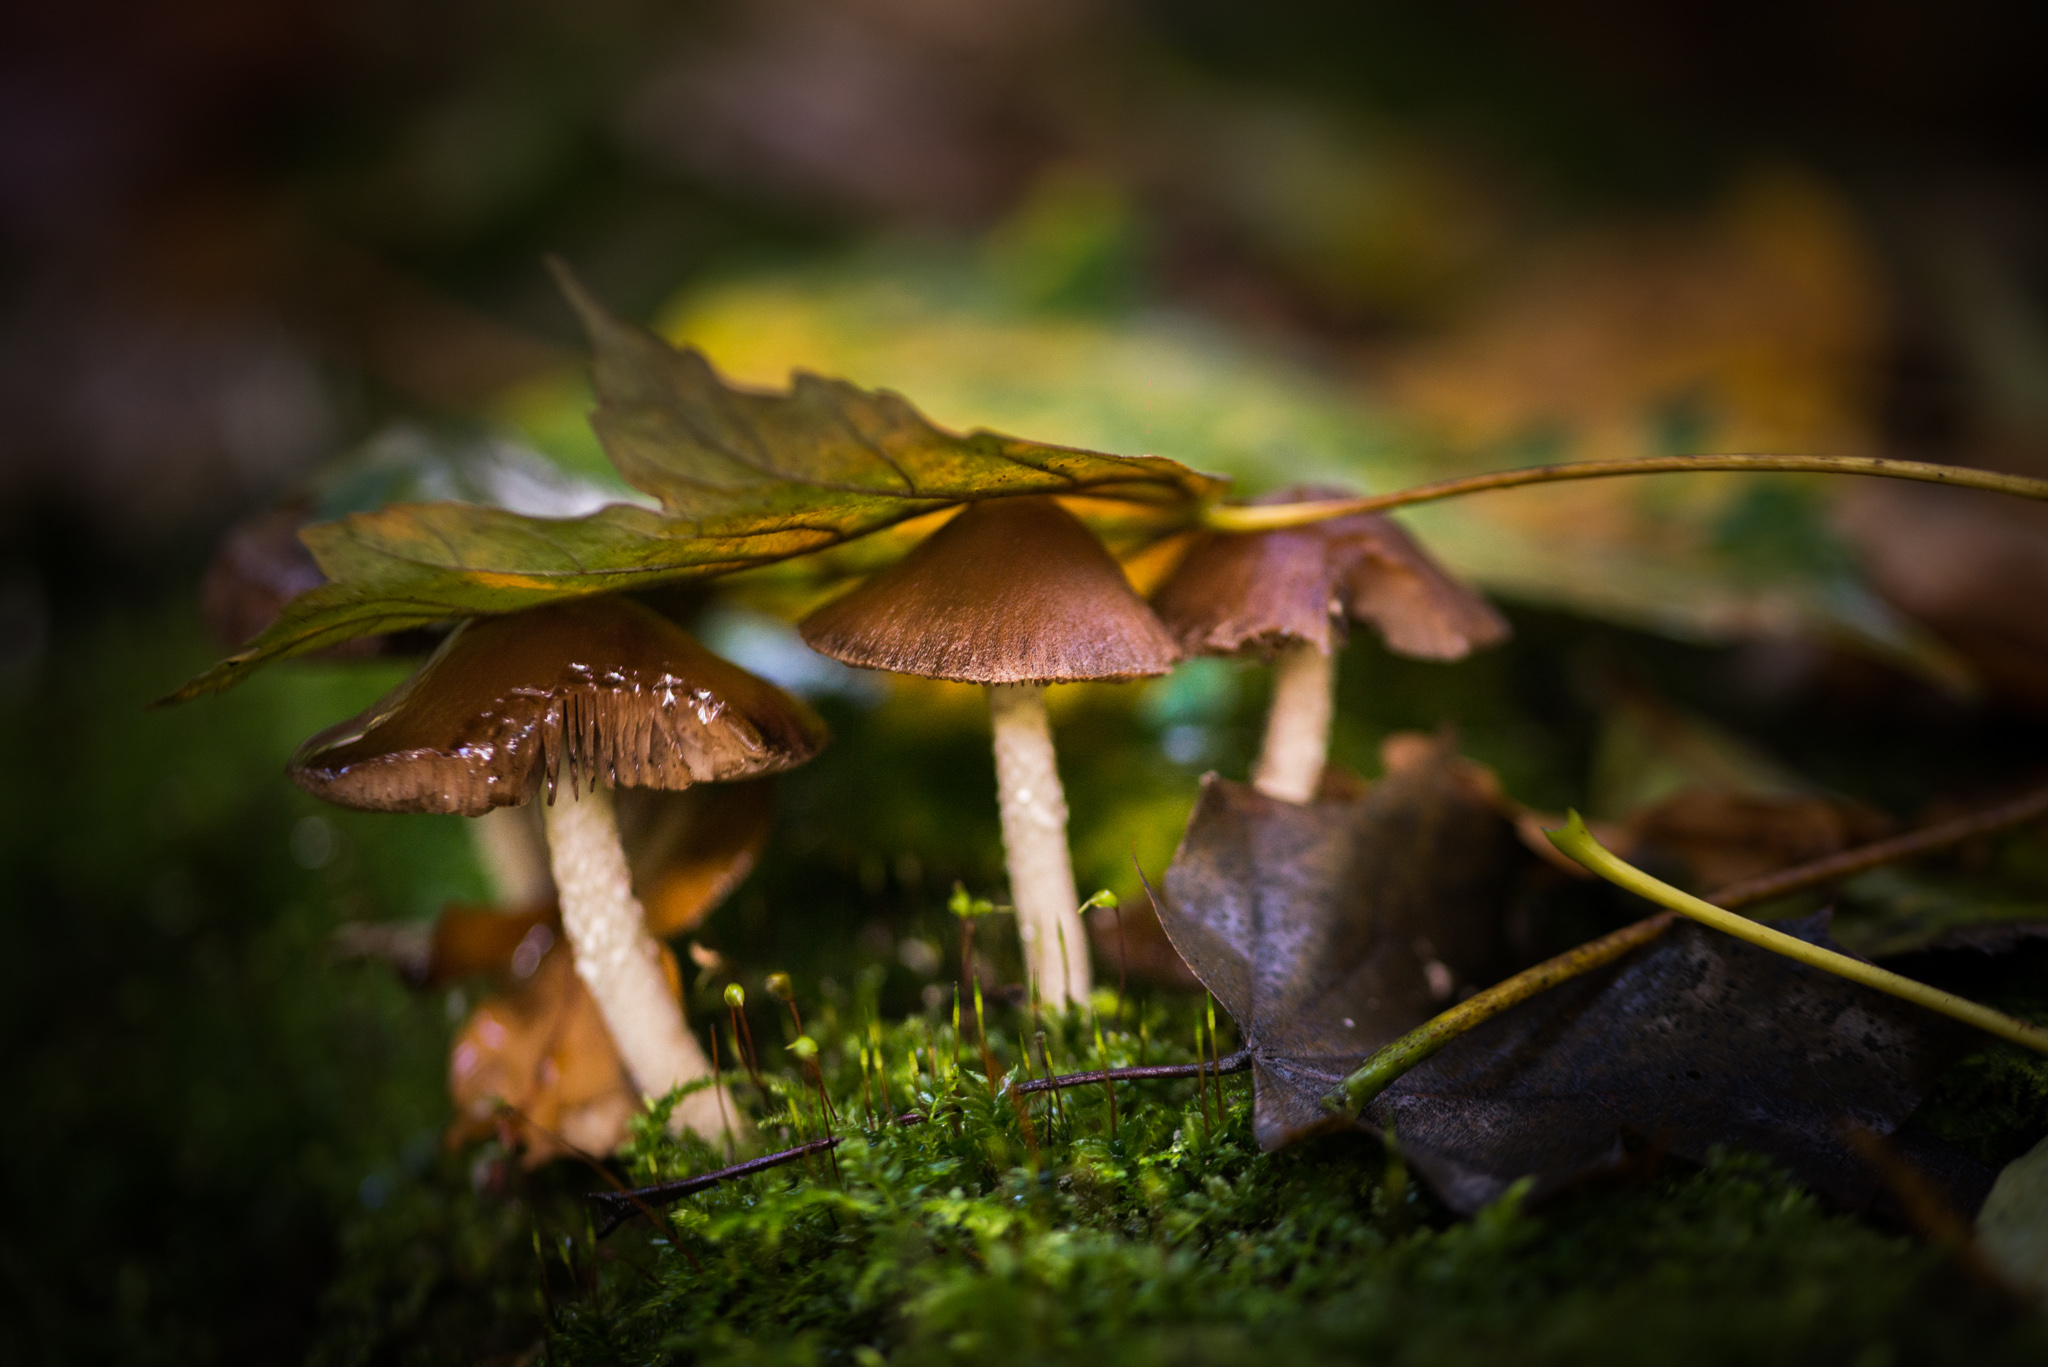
(745, 478)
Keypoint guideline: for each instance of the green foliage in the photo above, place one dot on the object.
(222, 1142)
(1994, 1104)
(1173, 1240)
(744, 479)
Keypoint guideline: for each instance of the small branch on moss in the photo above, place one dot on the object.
(628, 1201)
(1273, 516)
(1390, 1062)
(617, 1207)
(1229, 1063)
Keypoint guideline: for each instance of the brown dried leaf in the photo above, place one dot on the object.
(543, 1051)
(1723, 837)
(1694, 1041)
(1324, 929)
(470, 940)
(1330, 929)
(1974, 570)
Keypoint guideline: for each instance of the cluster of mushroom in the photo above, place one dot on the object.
(1013, 593)
(571, 701)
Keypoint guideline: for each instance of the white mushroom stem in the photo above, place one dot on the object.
(1034, 811)
(1298, 727)
(619, 961)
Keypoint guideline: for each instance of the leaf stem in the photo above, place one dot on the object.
(1274, 516)
(1390, 1062)
(1578, 842)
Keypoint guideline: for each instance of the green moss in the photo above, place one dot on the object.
(1993, 1105)
(223, 1143)
(1176, 1241)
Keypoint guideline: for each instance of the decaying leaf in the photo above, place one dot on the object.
(730, 457)
(258, 567)
(538, 1066)
(261, 564)
(744, 479)
(470, 941)
(1131, 936)
(1974, 570)
(1330, 929)
(1693, 1041)
(1721, 837)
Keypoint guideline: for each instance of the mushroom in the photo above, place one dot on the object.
(1016, 594)
(576, 698)
(1287, 594)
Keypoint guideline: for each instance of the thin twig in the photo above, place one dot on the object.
(1379, 1071)
(1158, 1072)
(621, 1206)
(1576, 841)
(617, 1207)
(1274, 516)
(1939, 836)
(628, 1200)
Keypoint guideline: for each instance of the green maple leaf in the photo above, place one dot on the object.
(744, 478)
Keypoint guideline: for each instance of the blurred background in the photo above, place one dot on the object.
(257, 255)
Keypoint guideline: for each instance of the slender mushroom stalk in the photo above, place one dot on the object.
(1034, 812)
(1287, 594)
(1014, 593)
(574, 699)
(616, 957)
(1297, 743)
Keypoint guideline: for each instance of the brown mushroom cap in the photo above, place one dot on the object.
(1241, 592)
(1012, 590)
(605, 688)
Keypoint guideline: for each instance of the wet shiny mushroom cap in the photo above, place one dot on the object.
(601, 690)
(1011, 590)
(1252, 592)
